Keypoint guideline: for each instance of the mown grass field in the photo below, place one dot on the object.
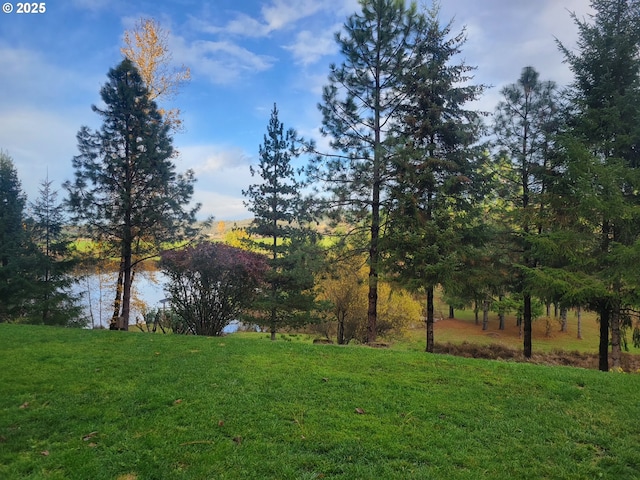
(79, 404)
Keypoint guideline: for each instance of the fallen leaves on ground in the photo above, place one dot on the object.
(89, 436)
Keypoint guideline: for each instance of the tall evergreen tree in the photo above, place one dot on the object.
(14, 280)
(54, 303)
(280, 227)
(126, 187)
(603, 158)
(435, 181)
(525, 125)
(360, 109)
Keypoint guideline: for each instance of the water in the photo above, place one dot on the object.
(97, 293)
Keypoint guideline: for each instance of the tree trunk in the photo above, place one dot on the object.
(476, 311)
(430, 319)
(501, 316)
(117, 302)
(372, 315)
(616, 337)
(579, 323)
(485, 314)
(451, 312)
(341, 329)
(563, 318)
(527, 326)
(603, 349)
(272, 324)
(376, 184)
(126, 290)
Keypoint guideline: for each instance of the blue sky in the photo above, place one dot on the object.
(244, 55)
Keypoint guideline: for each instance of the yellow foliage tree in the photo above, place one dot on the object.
(236, 237)
(147, 46)
(221, 228)
(347, 293)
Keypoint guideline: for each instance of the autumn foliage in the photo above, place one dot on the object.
(211, 284)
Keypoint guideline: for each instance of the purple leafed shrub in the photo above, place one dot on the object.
(210, 284)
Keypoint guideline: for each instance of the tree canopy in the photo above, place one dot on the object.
(126, 188)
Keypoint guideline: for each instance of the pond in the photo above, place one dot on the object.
(97, 292)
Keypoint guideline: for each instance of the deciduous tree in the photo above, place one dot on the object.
(211, 284)
(147, 46)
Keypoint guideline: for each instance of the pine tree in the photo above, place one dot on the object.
(126, 187)
(281, 228)
(435, 181)
(602, 160)
(525, 125)
(14, 279)
(361, 109)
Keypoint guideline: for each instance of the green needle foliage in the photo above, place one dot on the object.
(435, 181)
(526, 124)
(281, 229)
(601, 160)
(14, 277)
(53, 303)
(126, 189)
(360, 109)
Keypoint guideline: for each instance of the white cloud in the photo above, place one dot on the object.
(220, 206)
(40, 143)
(211, 159)
(276, 16)
(242, 25)
(27, 77)
(309, 46)
(281, 13)
(221, 62)
(222, 172)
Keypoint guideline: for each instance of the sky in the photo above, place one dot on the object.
(244, 56)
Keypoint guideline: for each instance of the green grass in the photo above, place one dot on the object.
(78, 404)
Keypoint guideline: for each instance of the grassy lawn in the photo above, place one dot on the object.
(79, 404)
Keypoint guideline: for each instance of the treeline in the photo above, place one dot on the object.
(535, 203)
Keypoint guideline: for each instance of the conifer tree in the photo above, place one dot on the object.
(126, 188)
(54, 303)
(526, 122)
(14, 278)
(361, 109)
(601, 164)
(435, 186)
(280, 228)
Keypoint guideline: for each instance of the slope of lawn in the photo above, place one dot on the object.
(79, 404)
